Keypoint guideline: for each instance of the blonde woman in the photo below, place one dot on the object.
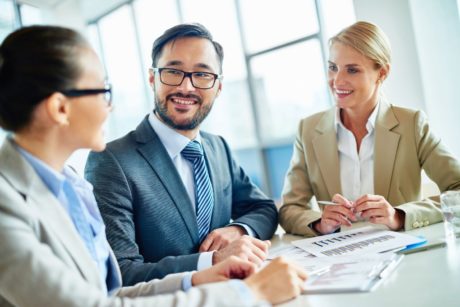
(364, 154)
(54, 250)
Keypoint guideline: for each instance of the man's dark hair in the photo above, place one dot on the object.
(181, 31)
(36, 62)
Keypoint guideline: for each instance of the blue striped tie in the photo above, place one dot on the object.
(204, 198)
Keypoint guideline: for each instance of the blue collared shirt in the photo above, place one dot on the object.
(84, 190)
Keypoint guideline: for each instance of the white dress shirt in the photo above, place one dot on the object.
(356, 168)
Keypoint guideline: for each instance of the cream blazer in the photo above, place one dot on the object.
(404, 145)
(43, 261)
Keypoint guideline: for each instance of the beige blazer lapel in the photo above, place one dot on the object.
(325, 147)
(47, 208)
(386, 146)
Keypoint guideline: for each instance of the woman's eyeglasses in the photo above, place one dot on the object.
(107, 91)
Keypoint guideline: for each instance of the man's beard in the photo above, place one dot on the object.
(161, 109)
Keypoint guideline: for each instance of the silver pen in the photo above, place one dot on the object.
(327, 203)
(422, 248)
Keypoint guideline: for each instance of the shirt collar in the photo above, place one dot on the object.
(52, 179)
(173, 141)
(370, 125)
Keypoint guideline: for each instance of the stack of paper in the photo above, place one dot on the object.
(306, 260)
(353, 260)
(352, 273)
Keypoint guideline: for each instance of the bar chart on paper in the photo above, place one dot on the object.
(366, 240)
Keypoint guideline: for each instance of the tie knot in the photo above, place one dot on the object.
(192, 151)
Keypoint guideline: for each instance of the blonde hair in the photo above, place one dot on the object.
(368, 39)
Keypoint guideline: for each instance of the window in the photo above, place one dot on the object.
(8, 22)
(93, 37)
(232, 115)
(30, 15)
(121, 55)
(274, 69)
(290, 84)
(7, 18)
(153, 18)
(267, 23)
(285, 52)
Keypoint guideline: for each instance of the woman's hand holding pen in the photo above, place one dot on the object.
(374, 208)
(336, 215)
(378, 210)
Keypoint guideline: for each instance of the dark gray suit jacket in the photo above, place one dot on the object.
(150, 222)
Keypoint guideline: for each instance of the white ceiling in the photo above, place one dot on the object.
(48, 4)
(89, 9)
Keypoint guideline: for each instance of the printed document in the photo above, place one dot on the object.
(359, 241)
(351, 273)
(304, 259)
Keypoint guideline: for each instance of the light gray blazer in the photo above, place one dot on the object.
(43, 261)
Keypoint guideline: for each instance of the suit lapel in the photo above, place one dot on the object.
(213, 165)
(153, 151)
(48, 209)
(386, 146)
(56, 218)
(325, 147)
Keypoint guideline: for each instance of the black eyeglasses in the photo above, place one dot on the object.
(174, 77)
(107, 91)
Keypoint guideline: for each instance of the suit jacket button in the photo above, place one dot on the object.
(426, 223)
(416, 224)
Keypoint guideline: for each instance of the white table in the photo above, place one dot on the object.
(426, 279)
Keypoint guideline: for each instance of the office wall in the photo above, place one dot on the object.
(404, 85)
(437, 35)
(425, 38)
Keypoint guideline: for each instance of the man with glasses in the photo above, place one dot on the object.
(172, 196)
